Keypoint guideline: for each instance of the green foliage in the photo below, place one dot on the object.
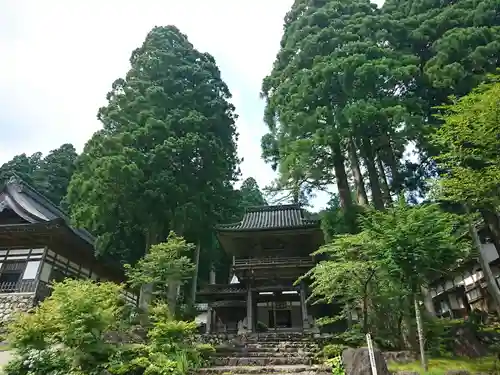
(331, 351)
(48, 361)
(49, 175)
(73, 322)
(171, 349)
(70, 333)
(55, 172)
(164, 264)
(440, 335)
(379, 269)
(205, 350)
(319, 100)
(250, 194)
(337, 365)
(470, 143)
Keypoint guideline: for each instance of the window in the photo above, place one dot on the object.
(31, 270)
(474, 294)
(45, 274)
(10, 275)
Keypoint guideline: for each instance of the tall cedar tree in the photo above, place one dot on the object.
(166, 156)
(338, 91)
(457, 43)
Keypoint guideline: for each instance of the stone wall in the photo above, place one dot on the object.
(13, 302)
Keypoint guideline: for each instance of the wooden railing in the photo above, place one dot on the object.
(270, 261)
(22, 286)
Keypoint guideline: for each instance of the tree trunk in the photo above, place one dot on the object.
(391, 161)
(386, 193)
(357, 175)
(172, 295)
(369, 157)
(420, 331)
(194, 285)
(493, 223)
(365, 301)
(341, 177)
(485, 266)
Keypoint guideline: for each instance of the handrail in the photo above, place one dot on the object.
(273, 260)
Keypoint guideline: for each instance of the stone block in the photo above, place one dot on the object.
(10, 303)
(357, 362)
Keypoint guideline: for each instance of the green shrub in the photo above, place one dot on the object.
(331, 351)
(50, 361)
(77, 317)
(90, 327)
(205, 350)
(337, 365)
(440, 335)
(352, 338)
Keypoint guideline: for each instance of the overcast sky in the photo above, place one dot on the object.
(59, 59)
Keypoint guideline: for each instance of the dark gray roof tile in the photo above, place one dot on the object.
(272, 217)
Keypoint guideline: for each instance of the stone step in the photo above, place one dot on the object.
(264, 351)
(256, 353)
(278, 369)
(260, 361)
(277, 339)
(269, 345)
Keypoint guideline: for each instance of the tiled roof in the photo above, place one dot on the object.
(33, 207)
(37, 210)
(272, 217)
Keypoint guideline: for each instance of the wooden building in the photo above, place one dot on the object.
(38, 246)
(459, 294)
(271, 249)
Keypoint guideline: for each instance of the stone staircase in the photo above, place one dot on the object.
(267, 353)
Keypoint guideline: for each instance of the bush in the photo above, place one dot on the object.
(171, 349)
(352, 338)
(205, 350)
(331, 351)
(440, 335)
(337, 365)
(84, 328)
(50, 361)
(75, 318)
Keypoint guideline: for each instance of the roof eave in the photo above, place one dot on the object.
(272, 229)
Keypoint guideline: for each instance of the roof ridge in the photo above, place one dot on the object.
(280, 207)
(39, 197)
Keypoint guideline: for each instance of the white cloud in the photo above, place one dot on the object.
(59, 59)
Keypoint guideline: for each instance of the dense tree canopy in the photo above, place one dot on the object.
(50, 175)
(470, 144)
(166, 157)
(345, 100)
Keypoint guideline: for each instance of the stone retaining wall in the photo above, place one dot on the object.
(13, 302)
